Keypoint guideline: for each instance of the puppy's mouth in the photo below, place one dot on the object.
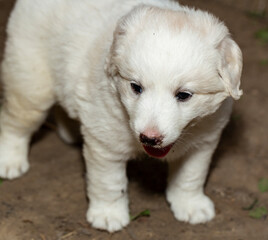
(157, 152)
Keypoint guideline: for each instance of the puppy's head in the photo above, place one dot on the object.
(171, 67)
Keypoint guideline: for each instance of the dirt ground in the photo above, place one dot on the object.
(49, 202)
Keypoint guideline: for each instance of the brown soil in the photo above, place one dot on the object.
(50, 202)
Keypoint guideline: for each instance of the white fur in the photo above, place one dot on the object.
(84, 55)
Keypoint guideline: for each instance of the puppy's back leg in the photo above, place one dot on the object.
(68, 129)
(27, 97)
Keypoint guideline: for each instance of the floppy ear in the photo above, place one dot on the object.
(125, 25)
(117, 43)
(230, 66)
(110, 66)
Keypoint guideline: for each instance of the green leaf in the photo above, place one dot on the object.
(258, 212)
(256, 14)
(145, 213)
(251, 206)
(1, 181)
(264, 62)
(263, 185)
(262, 35)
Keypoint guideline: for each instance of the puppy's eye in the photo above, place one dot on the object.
(183, 96)
(136, 88)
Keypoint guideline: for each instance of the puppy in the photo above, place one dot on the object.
(141, 76)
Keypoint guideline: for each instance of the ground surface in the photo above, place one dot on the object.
(50, 202)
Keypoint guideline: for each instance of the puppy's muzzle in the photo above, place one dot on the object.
(151, 141)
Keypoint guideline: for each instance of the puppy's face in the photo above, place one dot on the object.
(169, 73)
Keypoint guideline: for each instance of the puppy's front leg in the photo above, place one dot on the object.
(107, 188)
(185, 190)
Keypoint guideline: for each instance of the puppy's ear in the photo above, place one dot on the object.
(110, 65)
(117, 44)
(125, 26)
(230, 66)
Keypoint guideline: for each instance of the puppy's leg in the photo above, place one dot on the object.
(185, 190)
(107, 188)
(26, 101)
(67, 128)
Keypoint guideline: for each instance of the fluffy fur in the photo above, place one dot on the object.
(85, 55)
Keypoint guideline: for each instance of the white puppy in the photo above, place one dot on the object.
(141, 76)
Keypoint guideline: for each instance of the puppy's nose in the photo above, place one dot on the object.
(152, 141)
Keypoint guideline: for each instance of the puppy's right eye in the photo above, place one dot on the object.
(183, 96)
(137, 89)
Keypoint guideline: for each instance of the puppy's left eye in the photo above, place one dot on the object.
(183, 96)
(136, 88)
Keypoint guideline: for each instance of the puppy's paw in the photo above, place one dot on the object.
(195, 209)
(111, 217)
(13, 159)
(13, 169)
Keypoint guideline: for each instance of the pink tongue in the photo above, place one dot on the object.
(157, 152)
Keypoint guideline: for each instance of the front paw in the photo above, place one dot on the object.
(191, 208)
(13, 159)
(13, 169)
(108, 216)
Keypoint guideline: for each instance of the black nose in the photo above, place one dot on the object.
(151, 141)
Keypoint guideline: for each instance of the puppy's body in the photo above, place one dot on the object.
(125, 80)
